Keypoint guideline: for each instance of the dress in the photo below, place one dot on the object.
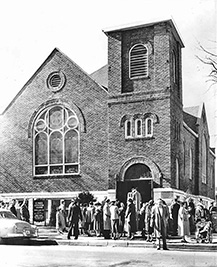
(114, 220)
(183, 222)
(60, 220)
(121, 219)
(97, 220)
(131, 219)
(147, 219)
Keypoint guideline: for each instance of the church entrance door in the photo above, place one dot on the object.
(144, 187)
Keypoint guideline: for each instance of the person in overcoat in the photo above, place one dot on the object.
(159, 217)
(60, 220)
(106, 219)
(183, 221)
(74, 216)
(24, 211)
(12, 207)
(174, 209)
(131, 219)
(97, 219)
(121, 219)
(147, 220)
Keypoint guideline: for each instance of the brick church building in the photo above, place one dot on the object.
(124, 125)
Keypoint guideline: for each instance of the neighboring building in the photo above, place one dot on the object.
(123, 126)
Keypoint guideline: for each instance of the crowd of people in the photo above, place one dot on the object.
(153, 220)
(19, 210)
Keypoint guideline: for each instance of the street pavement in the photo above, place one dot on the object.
(174, 243)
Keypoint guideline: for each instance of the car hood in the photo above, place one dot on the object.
(11, 222)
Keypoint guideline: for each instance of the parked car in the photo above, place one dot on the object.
(10, 226)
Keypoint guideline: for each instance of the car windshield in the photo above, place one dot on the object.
(6, 214)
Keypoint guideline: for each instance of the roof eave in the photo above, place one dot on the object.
(137, 26)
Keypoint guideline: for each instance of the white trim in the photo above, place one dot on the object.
(212, 152)
(136, 128)
(46, 113)
(126, 128)
(51, 195)
(146, 127)
(190, 130)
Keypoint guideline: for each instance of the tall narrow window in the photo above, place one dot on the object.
(190, 164)
(184, 157)
(128, 129)
(177, 173)
(174, 67)
(204, 160)
(56, 142)
(149, 127)
(138, 128)
(138, 61)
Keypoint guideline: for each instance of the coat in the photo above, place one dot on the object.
(24, 212)
(106, 217)
(183, 222)
(74, 214)
(60, 220)
(131, 217)
(159, 218)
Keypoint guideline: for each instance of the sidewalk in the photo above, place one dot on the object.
(174, 243)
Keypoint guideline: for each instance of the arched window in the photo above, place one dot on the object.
(138, 128)
(204, 160)
(177, 173)
(128, 129)
(190, 164)
(56, 142)
(149, 127)
(138, 61)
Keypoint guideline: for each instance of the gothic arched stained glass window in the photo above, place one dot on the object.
(56, 142)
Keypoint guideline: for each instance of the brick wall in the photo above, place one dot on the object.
(147, 95)
(80, 93)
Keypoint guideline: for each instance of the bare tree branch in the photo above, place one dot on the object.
(211, 60)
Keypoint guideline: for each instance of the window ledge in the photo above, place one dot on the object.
(140, 77)
(139, 138)
(64, 176)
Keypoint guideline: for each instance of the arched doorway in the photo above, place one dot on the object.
(137, 172)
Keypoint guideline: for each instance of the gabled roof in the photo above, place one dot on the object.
(101, 76)
(55, 51)
(192, 116)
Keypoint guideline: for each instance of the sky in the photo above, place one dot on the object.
(30, 30)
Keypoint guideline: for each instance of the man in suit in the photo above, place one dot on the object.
(74, 215)
(159, 217)
(174, 208)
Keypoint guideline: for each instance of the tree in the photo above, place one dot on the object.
(211, 60)
(85, 197)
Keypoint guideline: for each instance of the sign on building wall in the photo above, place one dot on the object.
(39, 210)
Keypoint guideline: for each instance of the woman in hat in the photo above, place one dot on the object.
(183, 221)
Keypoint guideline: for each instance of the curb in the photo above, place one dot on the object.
(139, 244)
